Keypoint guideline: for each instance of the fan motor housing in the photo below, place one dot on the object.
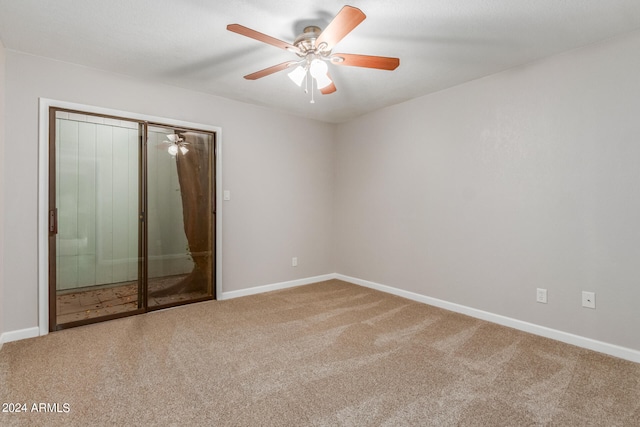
(306, 41)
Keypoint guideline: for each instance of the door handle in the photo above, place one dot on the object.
(53, 221)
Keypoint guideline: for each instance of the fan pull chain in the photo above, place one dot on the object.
(306, 82)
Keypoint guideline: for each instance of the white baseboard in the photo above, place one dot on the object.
(579, 341)
(276, 286)
(20, 334)
(35, 331)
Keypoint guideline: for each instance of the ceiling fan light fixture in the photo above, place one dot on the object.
(318, 68)
(174, 138)
(297, 75)
(176, 144)
(314, 48)
(323, 81)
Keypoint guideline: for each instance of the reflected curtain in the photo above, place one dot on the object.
(194, 177)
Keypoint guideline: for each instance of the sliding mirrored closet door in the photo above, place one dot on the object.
(131, 217)
(180, 223)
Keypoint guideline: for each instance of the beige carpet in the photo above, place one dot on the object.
(324, 354)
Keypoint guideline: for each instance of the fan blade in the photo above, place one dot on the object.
(345, 21)
(352, 60)
(328, 89)
(270, 70)
(248, 32)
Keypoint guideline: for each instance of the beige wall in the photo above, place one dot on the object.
(479, 194)
(277, 167)
(476, 195)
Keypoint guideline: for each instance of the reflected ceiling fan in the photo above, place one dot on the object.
(314, 47)
(174, 144)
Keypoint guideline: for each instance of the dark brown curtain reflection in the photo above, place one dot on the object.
(194, 177)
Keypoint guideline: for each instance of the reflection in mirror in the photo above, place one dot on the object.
(180, 220)
(97, 261)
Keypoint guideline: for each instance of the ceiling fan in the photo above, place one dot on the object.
(314, 47)
(174, 144)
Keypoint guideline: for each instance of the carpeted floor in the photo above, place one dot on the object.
(324, 354)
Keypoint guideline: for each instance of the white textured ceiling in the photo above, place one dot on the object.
(185, 43)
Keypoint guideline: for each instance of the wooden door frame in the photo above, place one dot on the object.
(44, 193)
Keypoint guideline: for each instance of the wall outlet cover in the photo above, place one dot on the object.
(588, 299)
(541, 295)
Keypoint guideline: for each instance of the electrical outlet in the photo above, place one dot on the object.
(588, 299)
(294, 261)
(541, 295)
